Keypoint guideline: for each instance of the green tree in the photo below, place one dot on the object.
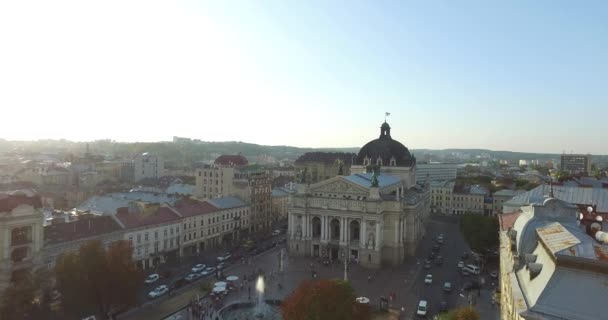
(95, 280)
(465, 313)
(480, 232)
(28, 297)
(324, 299)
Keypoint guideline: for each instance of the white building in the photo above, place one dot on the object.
(148, 165)
(376, 218)
(436, 171)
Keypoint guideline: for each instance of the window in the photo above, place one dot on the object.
(199, 173)
(379, 161)
(139, 238)
(156, 235)
(146, 236)
(131, 240)
(165, 232)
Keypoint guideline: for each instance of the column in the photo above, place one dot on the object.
(322, 227)
(397, 225)
(291, 225)
(362, 234)
(377, 248)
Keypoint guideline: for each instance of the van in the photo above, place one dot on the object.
(421, 310)
(472, 269)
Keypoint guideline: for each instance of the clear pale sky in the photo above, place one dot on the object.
(503, 75)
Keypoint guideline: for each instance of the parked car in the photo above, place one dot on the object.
(159, 291)
(422, 308)
(428, 279)
(191, 277)
(224, 257)
(447, 286)
(494, 274)
(465, 272)
(465, 256)
(435, 248)
(427, 266)
(221, 265)
(207, 271)
(276, 232)
(443, 306)
(460, 264)
(198, 268)
(152, 278)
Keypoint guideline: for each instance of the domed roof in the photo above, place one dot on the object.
(386, 149)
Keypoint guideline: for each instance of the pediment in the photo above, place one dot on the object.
(338, 185)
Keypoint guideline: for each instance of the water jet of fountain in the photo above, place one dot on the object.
(259, 288)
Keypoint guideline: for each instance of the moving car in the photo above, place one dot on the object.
(152, 278)
(422, 307)
(427, 266)
(207, 271)
(276, 232)
(198, 268)
(494, 274)
(221, 265)
(159, 291)
(447, 286)
(224, 257)
(191, 277)
(472, 269)
(428, 279)
(460, 264)
(439, 260)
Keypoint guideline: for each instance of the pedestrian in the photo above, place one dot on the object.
(369, 278)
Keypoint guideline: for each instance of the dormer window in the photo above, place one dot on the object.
(367, 161)
(393, 162)
(379, 161)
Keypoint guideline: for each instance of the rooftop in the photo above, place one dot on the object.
(85, 227)
(326, 157)
(227, 202)
(365, 180)
(575, 195)
(189, 208)
(10, 200)
(156, 216)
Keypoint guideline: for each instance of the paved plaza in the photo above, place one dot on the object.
(405, 282)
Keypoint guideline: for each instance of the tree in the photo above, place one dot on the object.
(480, 232)
(465, 313)
(96, 280)
(27, 297)
(323, 299)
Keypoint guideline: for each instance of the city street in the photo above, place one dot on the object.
(406, 282)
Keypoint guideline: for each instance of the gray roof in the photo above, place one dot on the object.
(227, 202)
(575, 195)
(365, 180)
(507, 193)
(179, 188)
(109, 203)
(279, 192)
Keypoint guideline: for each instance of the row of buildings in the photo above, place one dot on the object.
(33, 237)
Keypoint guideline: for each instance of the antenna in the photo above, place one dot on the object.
(551, 188)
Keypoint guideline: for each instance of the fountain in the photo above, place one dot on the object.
(261, 309)
(259, 288)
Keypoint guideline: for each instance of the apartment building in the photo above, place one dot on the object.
(148, 165)
(436, 171)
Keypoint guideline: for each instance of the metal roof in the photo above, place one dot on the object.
(575, 195)
(365, 180)
(227, 202)
(556, 237)
(279, 192)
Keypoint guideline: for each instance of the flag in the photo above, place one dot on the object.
(388, 114)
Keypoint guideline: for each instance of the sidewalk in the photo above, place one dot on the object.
(152, 310)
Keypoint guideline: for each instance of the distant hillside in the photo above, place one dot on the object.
(189, 152)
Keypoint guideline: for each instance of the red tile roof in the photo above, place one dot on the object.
(139, 219)
(10, 201)
(189, 208)
(231, 160)
(507, 220)
(85, 227)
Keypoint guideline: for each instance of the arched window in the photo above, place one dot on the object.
(393, 162)
(379, 161)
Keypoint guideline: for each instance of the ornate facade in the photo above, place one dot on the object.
(375, 216)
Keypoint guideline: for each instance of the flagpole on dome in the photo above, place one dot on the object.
(386, 114)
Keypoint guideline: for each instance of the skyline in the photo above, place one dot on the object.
(511, 76)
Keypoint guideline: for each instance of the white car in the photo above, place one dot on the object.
(428, 279)
(191, 277)
(460, 264)
(207, 271)
(158, 291)
(276, 232)
(152, 278)
(421, 310)
(198, 268)
(224, 257)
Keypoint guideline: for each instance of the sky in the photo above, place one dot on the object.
(503, 75)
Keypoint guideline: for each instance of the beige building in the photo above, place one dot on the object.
(280, 203)
(210, 224)
(501, 196)
(552, 265)
(375, 218)
(442, 196)
(217, 180)
(313, 167)
(148, 165)
(21, 235)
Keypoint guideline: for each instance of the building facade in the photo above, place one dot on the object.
(442, 197)
(576, 163)
(501, 196)
(148, 165)
(280, 203)
(436, 171)
(552, 266)
(313, 167)
(21, 235)
(375, 217)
